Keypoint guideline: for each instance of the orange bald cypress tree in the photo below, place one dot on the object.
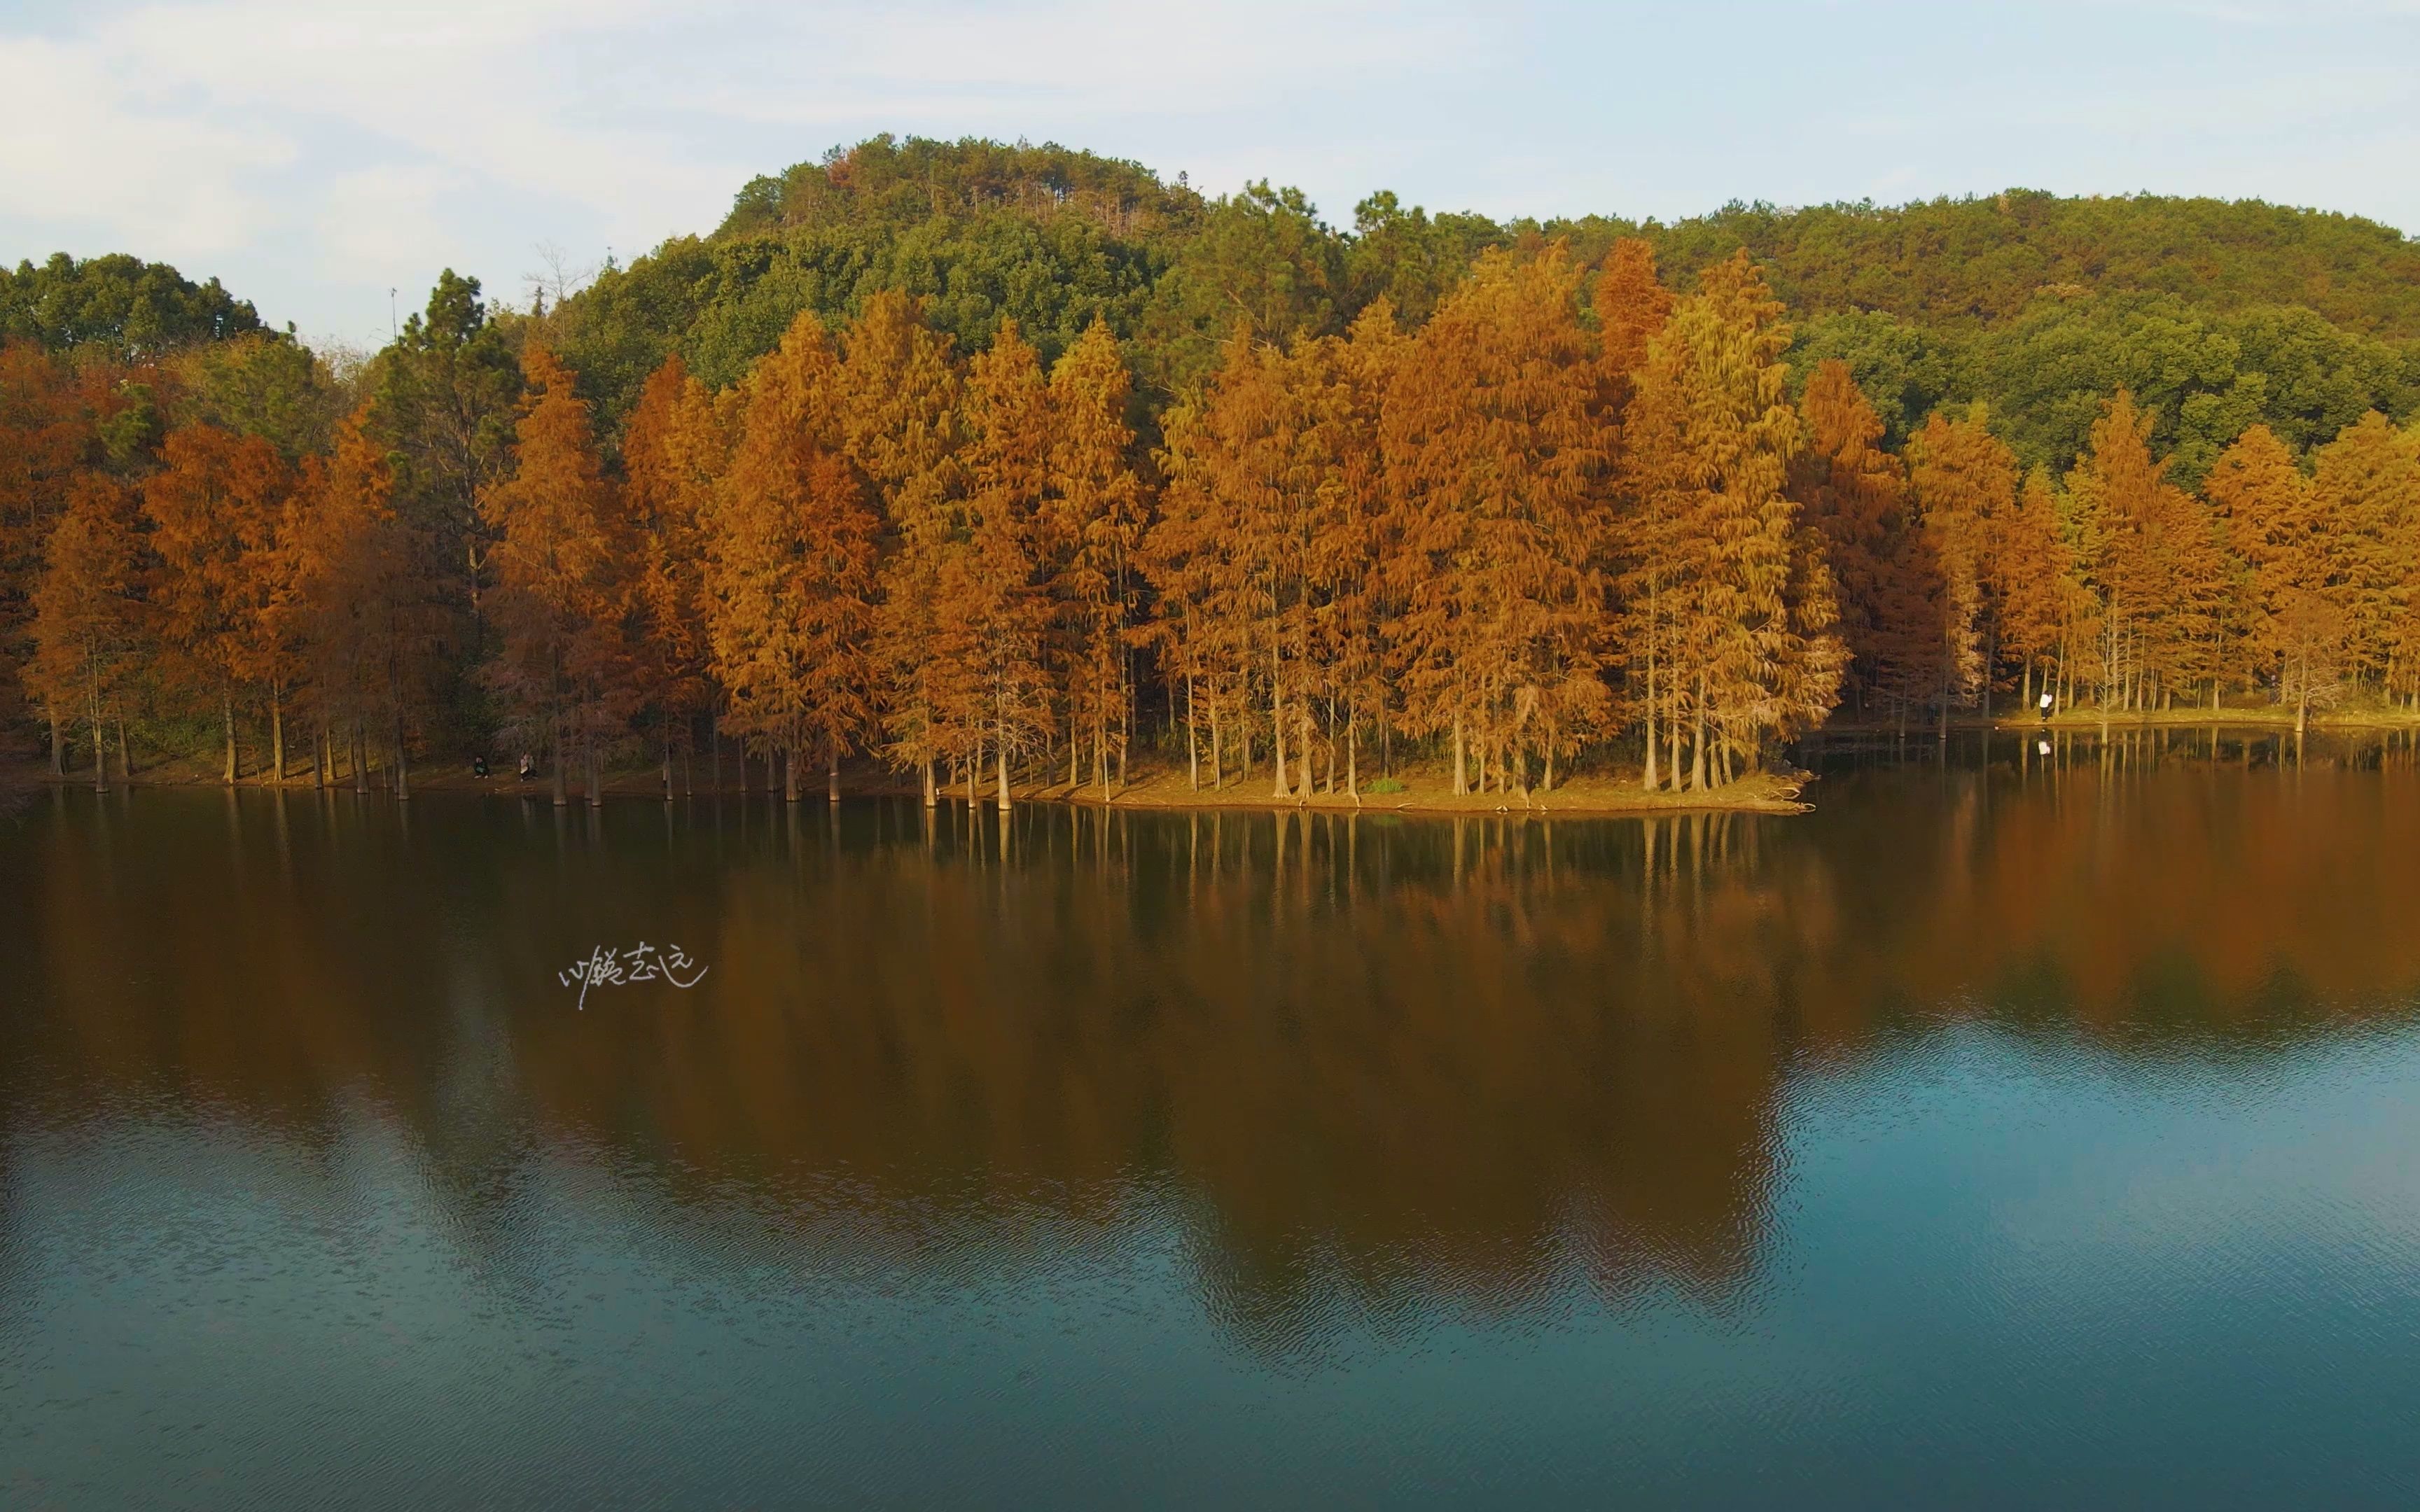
(1710, 444)
(1631, 306)
(1494, 462)
(44, 435)
(1092, 523)
(900, 422)
(2031, 570)
(1197, 556)
(1962, 480)
(2367, 487)
(88, 614)
(790, 565)
(674, 447)
(2150, 557)
(998, 603)
(563, 561)
(215, 500)
(367, 628)
(2273, 522)
(1855, 496)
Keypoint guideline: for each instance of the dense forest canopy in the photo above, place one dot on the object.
(2039, 306)
(117, 304)
(966, 457)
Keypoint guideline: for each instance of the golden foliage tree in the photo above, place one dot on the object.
(790, 565)
(674, 449)
(1090, 526)
(1748, 598)
(1494, 462)
(88, 613)
(1964, 482)
(214, 503)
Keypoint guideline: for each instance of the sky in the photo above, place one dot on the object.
(314, 155)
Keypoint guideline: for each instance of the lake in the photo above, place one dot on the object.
(2008, 1132)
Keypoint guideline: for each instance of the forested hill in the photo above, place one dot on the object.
(2213, 313)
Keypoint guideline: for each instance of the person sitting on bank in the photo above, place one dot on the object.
(478, 766)
(529, 768)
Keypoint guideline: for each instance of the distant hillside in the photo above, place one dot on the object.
(2213, 313)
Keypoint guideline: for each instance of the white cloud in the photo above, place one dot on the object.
(385, 224)
(87, 144)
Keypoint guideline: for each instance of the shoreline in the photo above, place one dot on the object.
(1424, 793)
(2154, 719)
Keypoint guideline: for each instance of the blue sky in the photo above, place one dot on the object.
(314, 154)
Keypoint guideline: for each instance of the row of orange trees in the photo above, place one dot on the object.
(1574, 517)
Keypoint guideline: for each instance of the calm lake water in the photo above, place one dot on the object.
(2023, 1134)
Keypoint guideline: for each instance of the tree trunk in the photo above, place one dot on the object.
(559, 758)
(1000, 766)
(360, 765)
(1302, 729)
(1647, 779)
(714, 738)
(227, 709)
(125, 755)
(277, 732)
(1192, 740)
(1698, 742)
(1461, 782)
(100, 748)
(402, 762)
(320, 758)
(1217, 755)
(789, 760)
(1277, 726)
(831, 777)
(932, 789)
(58, 748)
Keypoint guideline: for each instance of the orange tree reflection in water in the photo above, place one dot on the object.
(1368, 1065)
